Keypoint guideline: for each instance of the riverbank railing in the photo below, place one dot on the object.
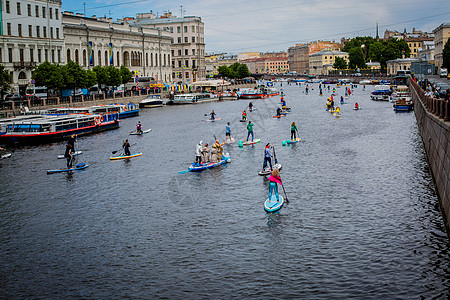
(437, 106)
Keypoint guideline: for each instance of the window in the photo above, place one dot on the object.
(30, 30)
(76, 56)
(179, 40)
(193, 39)
(118, 58)
(32, 55)
(19, 29)
(39, 55)
(99, 58)
(37, 11)
(193, 51)
(51, 32)
(57, 33)
(10, 55)
(171, 29)
(68, 55)
(106, 58)
(186, 63)
(193, 28)
(187, 74)
(18, 8)
(179, 64)
(8, 28)
(193, 64)
(173, 52)
(46, 54)
(29, 9)
(59, 55)
(44, 31)
(38, 31)
(146, 59)
(56, 14)
(50, 13)
(8, 10)
(179, 52)
(43, 12)
(84, 57)
(53, 56)
(185, 39)
(178, 28)
(156, 59)
(186, 51)
(185, 28)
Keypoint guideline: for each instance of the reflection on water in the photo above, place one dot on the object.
(363, 218)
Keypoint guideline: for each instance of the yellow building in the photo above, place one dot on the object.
(400, 64)
(321, 63)
(318, 46)
(416, 44)
(441, 35)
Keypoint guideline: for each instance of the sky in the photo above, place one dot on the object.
(236, 26)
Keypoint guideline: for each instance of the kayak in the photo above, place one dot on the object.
(73, 154)
(293, 141)
(79, 166)
(202, 167)
(267, 170)
(251, 142)
(7, 155)
(139, 133)
(212, 120)
(272, 205)
(125, 156)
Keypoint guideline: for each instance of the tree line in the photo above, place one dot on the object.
(235, 71)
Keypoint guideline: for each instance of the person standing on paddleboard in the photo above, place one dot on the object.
(68, 155)
(244, 115)
(228, 132)
(250, 130)
(267, 157)
(139, 127)
(126, 147)
(71, 141)
(356, 105)
(198, 154)
(250, 106)
(293, 131)
(274, 179)
(213, 115)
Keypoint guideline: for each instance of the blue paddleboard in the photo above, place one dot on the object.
(272, 205)
(80, 166)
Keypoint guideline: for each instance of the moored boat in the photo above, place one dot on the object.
(48, 128)
(124, 110)
(403, 105)
(251, 94)
(151, 101)
(381, 93)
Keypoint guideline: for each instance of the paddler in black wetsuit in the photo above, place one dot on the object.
(71, 141)
(68, 155)
(278, 111)
(213, 115)
(126, 147)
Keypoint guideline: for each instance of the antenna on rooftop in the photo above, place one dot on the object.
(182, 11)
(84, 8)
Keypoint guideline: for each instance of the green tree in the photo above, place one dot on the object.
(125, 74)
(446, 55)
(91, 78)
(356, 58)
(102, 75)
(114, 78)
(74, 76)
(5, 81)
(224, 71)
(243, 71)
(49, 75)
(340, 63)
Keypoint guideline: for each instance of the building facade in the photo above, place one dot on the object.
(400, 64)
(416, 44)
(248, 55)
(213, 62)
(101, 42)
(298, 59)
(31, 33)
(188, 43)
(441, 36)
(321, 63)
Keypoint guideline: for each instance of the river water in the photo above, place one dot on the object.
(363, 219)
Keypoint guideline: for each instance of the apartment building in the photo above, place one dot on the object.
(31, 33)
(320, 63)
(441, 36)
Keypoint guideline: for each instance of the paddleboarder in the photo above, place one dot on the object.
(218, 147)
(249, 130)
(139, 127)
(198, 154)
(68, 155)
(71, 141)
(126, 147)
(293, 131)
(274, 179)
(278, 111)
(356, 105)
(213, 115)
(244, 115)
(228, 132)
(267, 157)
(342, 100)
(250, 106)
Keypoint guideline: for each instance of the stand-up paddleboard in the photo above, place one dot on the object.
(7, 155)
(293, 141)
(251, 142)
(212, 120)
(232, 141)
(267, 170)
(343, 102)
(279, 116)
(356, 108)
(252, 109)
(243, 120)
(139, 133)
(337, 115)
(73, 154)
(272, 205)
(125, 156)
(79, 166)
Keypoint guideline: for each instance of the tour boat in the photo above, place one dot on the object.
(251, 94)
(189, 98)
(151, 101)
(34, 129)
(403, 104)
(381, 93)
(124, 110)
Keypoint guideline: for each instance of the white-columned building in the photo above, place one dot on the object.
(92, 41)
(188, 47)
(31, 33)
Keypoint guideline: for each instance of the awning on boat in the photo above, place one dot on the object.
(211, 83)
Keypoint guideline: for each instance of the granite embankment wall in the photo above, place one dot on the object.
(433, 116)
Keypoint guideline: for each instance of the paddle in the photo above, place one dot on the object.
(114, 152)
(285, 196)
